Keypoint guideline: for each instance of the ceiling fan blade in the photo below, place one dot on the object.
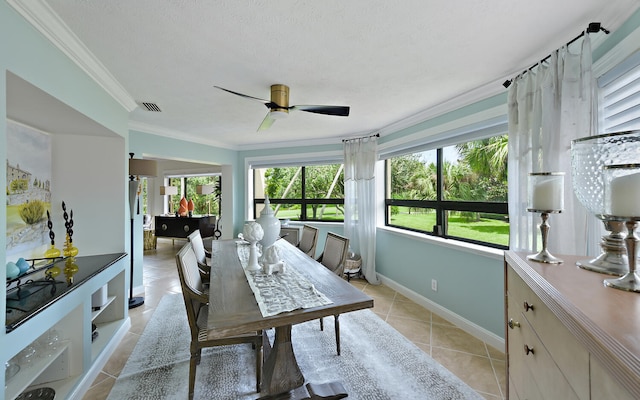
(243, 95)
(266, 122)
(341, 111)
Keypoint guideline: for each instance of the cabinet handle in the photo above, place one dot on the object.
(528, 350)
(527, 306)
(513, 324)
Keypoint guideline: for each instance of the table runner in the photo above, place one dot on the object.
(280, 292)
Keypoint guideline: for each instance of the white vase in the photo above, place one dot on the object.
(270, 225)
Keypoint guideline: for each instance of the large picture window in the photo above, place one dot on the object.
(301, 193)
(457, 191)
(204, 204)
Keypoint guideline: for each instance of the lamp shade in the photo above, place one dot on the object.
(204, 189)
(168, 190)
(140, 167)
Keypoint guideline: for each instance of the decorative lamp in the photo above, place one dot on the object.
(589, 155)
(206, 190)
(137, 168)
(169, 191)
(622, 190)
(546, 196)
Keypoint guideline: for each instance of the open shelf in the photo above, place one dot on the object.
(105, 333)
(25, 376)
(96, 313)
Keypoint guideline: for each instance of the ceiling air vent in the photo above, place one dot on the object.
(150, 106)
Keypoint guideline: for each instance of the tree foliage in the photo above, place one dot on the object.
(480, 174)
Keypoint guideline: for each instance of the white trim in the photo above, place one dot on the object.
(175, 134)
(421, 137)
(455, 103)
(295, 160)
(46, 21)
(474, 330)
(622, 50)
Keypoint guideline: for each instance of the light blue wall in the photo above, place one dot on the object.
(27, 54)
(469, 284)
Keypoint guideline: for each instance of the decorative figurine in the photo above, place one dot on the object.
(69, 249)
(52, 252)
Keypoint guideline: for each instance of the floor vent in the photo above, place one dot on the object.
(150, 107)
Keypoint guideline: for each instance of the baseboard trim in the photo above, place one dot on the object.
(471, 328)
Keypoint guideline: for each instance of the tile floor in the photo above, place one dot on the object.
(478, 364)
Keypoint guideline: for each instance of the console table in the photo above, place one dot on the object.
(64, 303)
(181, 227)
(568, 336)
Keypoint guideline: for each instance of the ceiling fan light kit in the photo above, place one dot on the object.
(278, 114)
(279, 105)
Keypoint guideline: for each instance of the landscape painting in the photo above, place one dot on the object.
(28, 191)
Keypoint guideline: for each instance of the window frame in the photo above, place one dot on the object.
(439, 205)
(304, 202)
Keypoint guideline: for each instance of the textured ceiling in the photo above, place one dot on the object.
(388, 60)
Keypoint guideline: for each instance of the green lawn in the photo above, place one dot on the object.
(484, 230)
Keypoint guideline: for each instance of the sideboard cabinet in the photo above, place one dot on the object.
(182, 227)
(567, 335)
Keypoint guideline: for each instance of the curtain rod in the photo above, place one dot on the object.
(593, 27)
(363, 137)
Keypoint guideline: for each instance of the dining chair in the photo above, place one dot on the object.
(196, 304)
(195, 238)
(333, 257)
(290, 234)
(309, 240)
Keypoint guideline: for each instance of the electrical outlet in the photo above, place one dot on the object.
(434, 285)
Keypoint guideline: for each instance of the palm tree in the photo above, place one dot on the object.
(486, 157)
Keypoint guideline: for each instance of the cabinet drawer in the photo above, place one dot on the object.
(521, 382)
(569, 355)
(549, 378)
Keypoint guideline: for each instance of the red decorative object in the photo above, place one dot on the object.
(190, 205)
(182, 211)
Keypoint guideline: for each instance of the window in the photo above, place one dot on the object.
(301, 193)
(204, 204)
(457, 191)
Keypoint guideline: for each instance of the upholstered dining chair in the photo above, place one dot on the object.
(309, 240)
(196, 304)
(195, 238)
(290, 234)
(333, 257)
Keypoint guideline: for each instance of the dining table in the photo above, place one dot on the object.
(241, 301)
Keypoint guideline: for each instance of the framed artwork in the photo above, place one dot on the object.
(28, 190)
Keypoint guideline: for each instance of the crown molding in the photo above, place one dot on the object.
(462, 100)
(47, 22)
(175, 134)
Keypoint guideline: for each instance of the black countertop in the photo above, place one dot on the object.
(34, 293)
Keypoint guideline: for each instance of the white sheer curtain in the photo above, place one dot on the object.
(360, 156)
(550, 106)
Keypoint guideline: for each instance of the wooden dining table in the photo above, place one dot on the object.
(233, 309)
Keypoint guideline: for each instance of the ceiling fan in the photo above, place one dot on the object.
(279, 105)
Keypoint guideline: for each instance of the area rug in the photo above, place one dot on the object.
(377, 362)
